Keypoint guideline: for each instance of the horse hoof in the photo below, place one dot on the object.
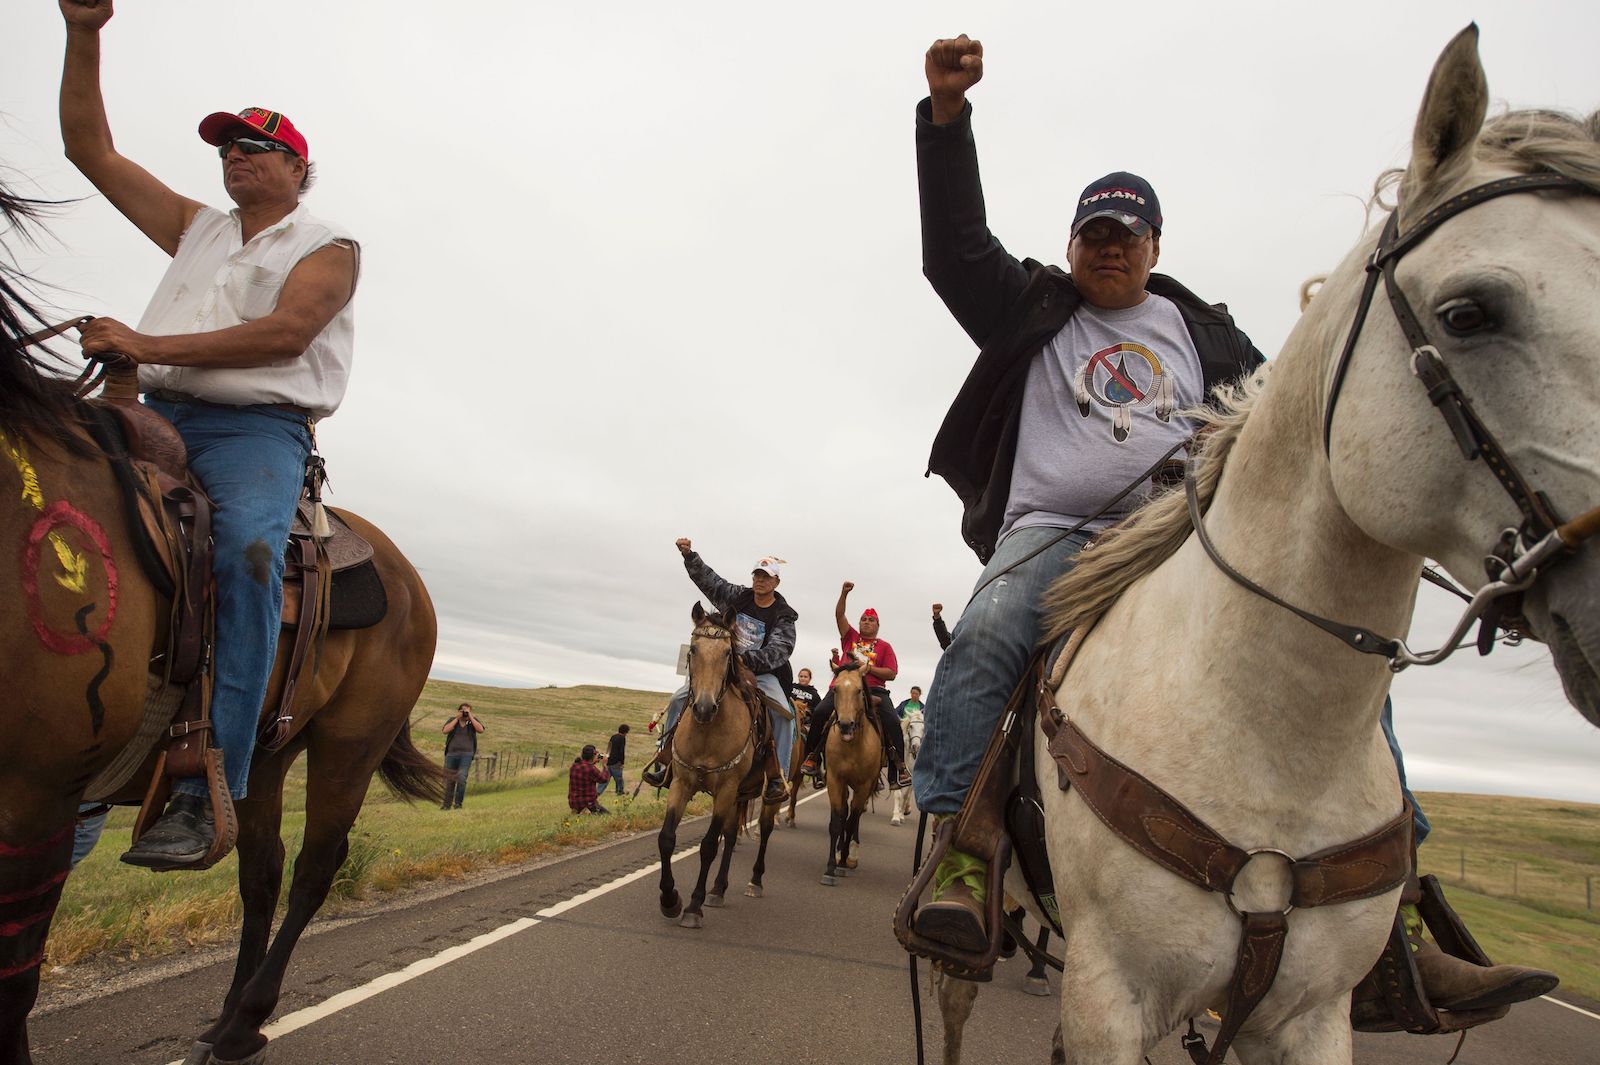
(753, 891)
(199, 1054)
(897, 820)
(1036, 985)
(828, 880)
(672, 910)
(714, 900)
(692, 920)
(851, 863)
(258, 1058)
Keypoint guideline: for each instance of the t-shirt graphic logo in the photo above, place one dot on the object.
(749, 634)
(1110, 379)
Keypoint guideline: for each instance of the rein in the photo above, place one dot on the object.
(1515, 561)
(99, 366)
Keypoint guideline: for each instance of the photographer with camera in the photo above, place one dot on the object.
(587, 775)
(460, 748)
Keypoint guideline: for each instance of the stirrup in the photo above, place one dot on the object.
(964, 965)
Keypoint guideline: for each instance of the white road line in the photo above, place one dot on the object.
(1570, 1006)
(345, 999)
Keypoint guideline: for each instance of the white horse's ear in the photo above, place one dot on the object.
(1453, 109)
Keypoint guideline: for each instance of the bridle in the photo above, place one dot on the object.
(709, 631)
(1516, 559)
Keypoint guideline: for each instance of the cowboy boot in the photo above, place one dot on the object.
(655, 772)
(1454, 984)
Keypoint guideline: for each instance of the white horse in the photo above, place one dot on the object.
(902, 798)
(1264, 726)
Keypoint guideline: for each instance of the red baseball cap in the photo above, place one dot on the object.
(221, 127)
(869, 613)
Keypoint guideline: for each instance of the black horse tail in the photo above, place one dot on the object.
(409, 773)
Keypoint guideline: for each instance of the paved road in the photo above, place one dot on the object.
(569, 961)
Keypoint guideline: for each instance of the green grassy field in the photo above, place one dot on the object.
(1529, 866)
(112, 910)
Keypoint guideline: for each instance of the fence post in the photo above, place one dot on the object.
(1588, 892)
(546, 759)
(1513, 879)
(1463, 865)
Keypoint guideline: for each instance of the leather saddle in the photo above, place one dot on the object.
(169, 517)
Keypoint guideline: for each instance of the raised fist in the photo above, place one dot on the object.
(683, 546)
(847, 587)
(86, 14)
(938, 608)
(953, 66)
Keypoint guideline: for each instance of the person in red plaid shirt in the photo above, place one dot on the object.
(584, 780)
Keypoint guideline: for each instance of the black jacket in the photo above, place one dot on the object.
(1011, 308)
(778, 644)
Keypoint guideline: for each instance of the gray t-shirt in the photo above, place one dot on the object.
(1099, 408)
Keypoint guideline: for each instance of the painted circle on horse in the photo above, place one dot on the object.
(60, 579)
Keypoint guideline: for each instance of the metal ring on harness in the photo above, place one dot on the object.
(1288, 858)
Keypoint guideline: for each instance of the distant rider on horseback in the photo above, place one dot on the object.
(879, 666)
(764, 630)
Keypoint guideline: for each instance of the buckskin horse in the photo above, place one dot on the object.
(854, 757)
(79, 623)
(1329, 480)
(715, 747)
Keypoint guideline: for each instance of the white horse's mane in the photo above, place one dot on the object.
(1525, 141)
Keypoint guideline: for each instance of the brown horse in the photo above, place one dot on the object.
(714, 750)
(79, 623)
(854, 757)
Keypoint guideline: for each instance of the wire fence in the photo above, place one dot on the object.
(497, 764)
(1520, 880)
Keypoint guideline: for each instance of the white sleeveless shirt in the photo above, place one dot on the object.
(216, 281)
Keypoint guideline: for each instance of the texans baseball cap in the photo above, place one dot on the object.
(768, 564)
(1122, 197)
(221, 127)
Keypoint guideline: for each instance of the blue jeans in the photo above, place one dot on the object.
(251, 461)
(87, 833)
(782, 727)
(990, 647)
(455, 790)
(616, 778)
(1419, 819)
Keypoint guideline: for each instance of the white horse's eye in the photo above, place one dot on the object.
(1464, 317)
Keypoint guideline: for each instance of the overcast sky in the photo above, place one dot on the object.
(635, 271)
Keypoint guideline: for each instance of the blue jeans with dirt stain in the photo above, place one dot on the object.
(251, 461)
(988, 651)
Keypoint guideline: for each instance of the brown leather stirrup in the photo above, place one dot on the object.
(979, 830)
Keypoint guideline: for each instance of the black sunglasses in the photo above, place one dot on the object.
(253, 146)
